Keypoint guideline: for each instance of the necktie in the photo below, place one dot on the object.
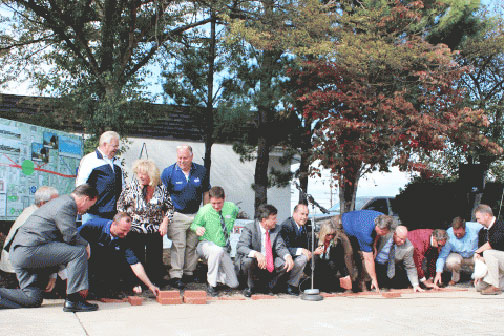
(391, 263)
(300, 231)
(224, 229)
(269, 254)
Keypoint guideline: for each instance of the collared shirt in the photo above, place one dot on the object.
(208, 218)
(465, 246)
(97, 232)
(263, 245)
(186, 191)
(383, 256)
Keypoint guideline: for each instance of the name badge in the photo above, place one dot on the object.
(178, 182)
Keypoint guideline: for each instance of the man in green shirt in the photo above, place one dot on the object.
(213, 225)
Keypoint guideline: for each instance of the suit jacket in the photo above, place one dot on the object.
(54, 221)
(250, 240)
(292, 238)
(404, 254)
(421, 242)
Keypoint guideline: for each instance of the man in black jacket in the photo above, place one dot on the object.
(293, 232)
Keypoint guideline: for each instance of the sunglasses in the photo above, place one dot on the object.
(331, 234)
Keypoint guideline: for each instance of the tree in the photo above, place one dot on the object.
(92, 52)
(273, 32)
(386, 97)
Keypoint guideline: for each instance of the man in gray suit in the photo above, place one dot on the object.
(48, 240)
(261, 252)
(394, 260)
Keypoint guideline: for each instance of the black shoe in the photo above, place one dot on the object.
(79, 306)
(177, 283)
(292, 290)
(212, 291)
(188, 278)
(247, 292)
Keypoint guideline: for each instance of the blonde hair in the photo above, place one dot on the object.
(149, 167)
(327, 227)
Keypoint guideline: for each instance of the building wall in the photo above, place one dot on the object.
(227, 171)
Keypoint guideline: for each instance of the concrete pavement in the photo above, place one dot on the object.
(430, 313)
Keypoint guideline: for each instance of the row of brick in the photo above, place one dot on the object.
(200, 297)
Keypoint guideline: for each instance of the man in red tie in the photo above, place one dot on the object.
(261, 252)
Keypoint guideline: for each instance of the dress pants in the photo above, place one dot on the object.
(33, 264)
(109, 271)
(454, 263)
(184, 241)
(400, 280)
(220, 265)
(148, 248)
(494, 259)
(256, 275)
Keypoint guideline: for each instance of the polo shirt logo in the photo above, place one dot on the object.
(178, 182)
(196, 180)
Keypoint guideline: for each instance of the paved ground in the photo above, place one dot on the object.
(462, 312)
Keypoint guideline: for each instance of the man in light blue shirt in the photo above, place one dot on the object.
(459, 249)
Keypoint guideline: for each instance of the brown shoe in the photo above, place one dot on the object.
(451, 283)
(491, 290)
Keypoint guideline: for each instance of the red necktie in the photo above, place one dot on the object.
(269, 254)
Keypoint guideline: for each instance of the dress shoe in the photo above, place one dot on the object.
(212, 291)
(247, 292)
(491, 290)
(79, 306)
(177, 283)
(292, 290)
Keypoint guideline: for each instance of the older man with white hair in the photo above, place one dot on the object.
(394, 260)
(101, 170)
(43, 195)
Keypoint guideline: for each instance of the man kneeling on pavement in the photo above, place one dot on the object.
(261, 252)
(112, 258)
(491, 252)
(213, 225)
(394, 261)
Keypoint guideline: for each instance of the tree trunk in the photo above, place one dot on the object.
(304, 172)
(348, 181)
(209, 113)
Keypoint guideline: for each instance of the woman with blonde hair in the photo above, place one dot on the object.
(329, 259)
(149, 205)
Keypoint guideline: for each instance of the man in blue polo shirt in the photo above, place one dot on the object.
(188, 185)
(362, 227)
(111, 255)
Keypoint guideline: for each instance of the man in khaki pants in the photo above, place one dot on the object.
(188, 185)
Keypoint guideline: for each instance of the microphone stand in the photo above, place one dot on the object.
(312, 294)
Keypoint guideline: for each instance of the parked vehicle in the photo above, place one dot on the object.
(384, 204)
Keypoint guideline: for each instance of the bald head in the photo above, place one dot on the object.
(400, 235)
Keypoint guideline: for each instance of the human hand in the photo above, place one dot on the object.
(163, 229)
(137, 289)
(154, 290)
(437, 280)
(200, 231)
(306, 253)
(261, 260)
(374, 284)
(289, 263)
(319, 250)
(417, 289)
(428, 283)
(50, 285)
(88, 250)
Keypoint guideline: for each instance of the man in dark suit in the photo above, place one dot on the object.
(261, 252)
(48, 240)
(293, 232)
(112, 258)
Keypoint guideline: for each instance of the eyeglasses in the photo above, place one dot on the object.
(331, 234)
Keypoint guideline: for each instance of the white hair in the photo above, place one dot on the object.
(44, 194)
(107, 136)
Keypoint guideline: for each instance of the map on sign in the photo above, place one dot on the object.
(33, 156)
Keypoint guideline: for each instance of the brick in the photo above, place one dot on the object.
(391, 295)
(170, 300)
(135, 300)
(195, 300)
(262, 297)
(112, 300)
(345, 282)
(324, 294)
(169, 294)
(195, 294)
